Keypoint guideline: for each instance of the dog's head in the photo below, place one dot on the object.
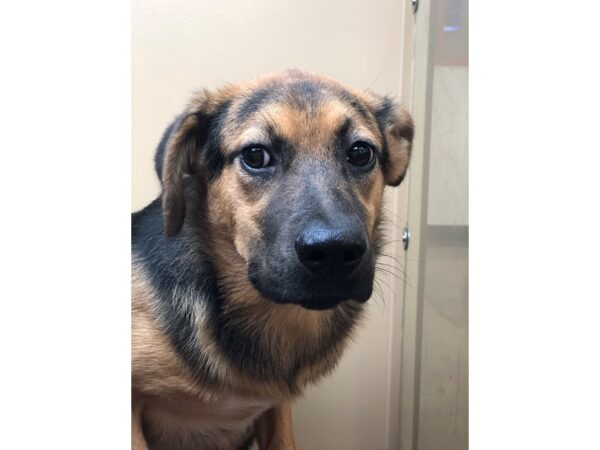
(293, 168)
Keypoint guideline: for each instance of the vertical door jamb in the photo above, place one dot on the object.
(410, 316)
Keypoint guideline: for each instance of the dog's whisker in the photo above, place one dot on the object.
(400, 276)
(387, 285)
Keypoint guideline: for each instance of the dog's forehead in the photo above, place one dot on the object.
(307, 111)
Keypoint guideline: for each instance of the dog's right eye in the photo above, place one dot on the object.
(256, 157)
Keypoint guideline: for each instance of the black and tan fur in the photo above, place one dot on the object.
(215, 364)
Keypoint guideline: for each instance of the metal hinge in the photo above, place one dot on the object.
(405, 237)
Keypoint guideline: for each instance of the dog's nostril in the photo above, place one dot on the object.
(351, 257)
(316, 257)
(330, 252)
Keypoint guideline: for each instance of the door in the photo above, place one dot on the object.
(434, 374)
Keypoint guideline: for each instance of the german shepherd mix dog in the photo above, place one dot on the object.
(251, 269)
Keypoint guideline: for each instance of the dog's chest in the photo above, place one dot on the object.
(188, 423)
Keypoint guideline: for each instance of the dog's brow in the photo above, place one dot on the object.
(251, 135)
(342, 130)
(354, 103)
(254, 101)
(349, 129)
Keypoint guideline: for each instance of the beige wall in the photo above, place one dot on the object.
(180, 46)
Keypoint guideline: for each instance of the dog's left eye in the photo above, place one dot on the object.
(256, 157)
(360, 154)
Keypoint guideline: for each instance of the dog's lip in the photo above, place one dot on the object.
(318, 299)
(314, 303)
(320, 302)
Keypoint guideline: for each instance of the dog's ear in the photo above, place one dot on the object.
(397, 128)
(178, 155)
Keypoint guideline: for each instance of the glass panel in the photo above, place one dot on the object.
(442, 365)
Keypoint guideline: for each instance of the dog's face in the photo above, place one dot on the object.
(295, 166)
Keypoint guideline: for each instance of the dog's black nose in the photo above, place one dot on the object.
(325, 250)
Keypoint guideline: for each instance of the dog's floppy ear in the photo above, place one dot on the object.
(398, 131)
(178, 155)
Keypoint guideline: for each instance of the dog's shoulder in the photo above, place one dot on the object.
(156, 367)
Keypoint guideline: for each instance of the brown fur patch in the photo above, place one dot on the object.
(138, 442)
(175, 405)
(156, 367)
(274, 430)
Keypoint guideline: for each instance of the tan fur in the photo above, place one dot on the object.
(167, 397)
(171, 401)
(290, 327)
(137, 435)
(149, 346)
(371, 199)
(313, 133)
(235, 213)
(274, 429)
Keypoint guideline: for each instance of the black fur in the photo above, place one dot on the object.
(354, 103)
(174, 265)
(254, 102)
(247, 445)
(383, 116)
(215, 160)
(159, 157)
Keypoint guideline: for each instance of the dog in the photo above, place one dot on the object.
(251, 269)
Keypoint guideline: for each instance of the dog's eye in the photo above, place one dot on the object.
(360, 154)
(256, 157)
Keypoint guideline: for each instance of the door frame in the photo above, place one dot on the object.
(415, 85)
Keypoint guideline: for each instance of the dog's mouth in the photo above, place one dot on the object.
(321, 303)
(281, 281)
(323, 300)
